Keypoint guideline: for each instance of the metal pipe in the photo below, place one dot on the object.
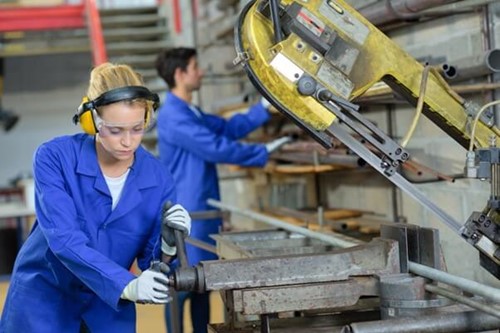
(472, 287)
(492, 310)
(395, 10)
(448, 71)
(479, 65)
(457, 6)
(471, 321)
(337, 240)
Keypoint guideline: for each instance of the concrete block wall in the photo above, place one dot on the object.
(452, 38)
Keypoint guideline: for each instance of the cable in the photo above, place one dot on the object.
(476, 119)
(420, 106)
(442, 82)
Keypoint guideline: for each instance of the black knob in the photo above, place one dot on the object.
(306, 85)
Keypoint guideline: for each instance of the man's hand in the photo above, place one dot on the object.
(265, 103)
(174, 218)
(276, 144)
(149, 287)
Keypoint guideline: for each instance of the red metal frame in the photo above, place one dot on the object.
(58, 17)
(176, 8)
(41, 18)
(99, 55)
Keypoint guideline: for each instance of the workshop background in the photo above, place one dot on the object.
(44, 72)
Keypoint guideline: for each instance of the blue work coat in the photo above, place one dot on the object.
(191, 144)
(75, 263)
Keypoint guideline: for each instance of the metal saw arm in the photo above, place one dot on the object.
(312, 58)
(331, 42)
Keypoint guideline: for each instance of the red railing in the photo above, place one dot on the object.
(98, 46)
(86, 14)
(41, 18)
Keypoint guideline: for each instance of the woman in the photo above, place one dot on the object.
(99, 198)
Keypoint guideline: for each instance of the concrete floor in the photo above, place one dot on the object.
(150, 317)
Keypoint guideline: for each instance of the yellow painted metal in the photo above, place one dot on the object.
(257, 38)
(380, 59)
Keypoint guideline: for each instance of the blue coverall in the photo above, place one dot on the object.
(75, 263)
(191, 144)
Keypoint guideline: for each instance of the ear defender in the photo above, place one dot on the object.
(85, 117)
(84, 114)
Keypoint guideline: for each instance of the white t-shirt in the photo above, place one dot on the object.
(115, 185)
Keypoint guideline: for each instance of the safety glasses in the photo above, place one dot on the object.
(108, 129)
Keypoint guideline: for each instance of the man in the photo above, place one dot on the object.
(191, 143)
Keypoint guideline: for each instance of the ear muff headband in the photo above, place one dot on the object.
(84, 113)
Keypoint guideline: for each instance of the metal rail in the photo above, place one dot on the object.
(472, 287)
(492, 310)
(471, 321)
(336, 240)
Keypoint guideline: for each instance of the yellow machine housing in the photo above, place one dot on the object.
(331, 42)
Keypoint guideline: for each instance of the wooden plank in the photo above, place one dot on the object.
(337, 214)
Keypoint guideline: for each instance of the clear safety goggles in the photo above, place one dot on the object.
(110, 129)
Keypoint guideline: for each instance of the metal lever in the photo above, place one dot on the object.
(181, 248)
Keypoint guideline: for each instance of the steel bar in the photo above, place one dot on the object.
(337, 239)
(308, 297)
(394, 10)
(472, 287)
(396, 178)
(202, 245)
(492, 310)
(450, 323)
(377, 257)
(208, 214)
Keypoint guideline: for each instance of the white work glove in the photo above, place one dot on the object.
(265, 103)
(149, 287)
(276, 144)
(173, 218)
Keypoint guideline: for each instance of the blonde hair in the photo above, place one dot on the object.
(108, 76)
